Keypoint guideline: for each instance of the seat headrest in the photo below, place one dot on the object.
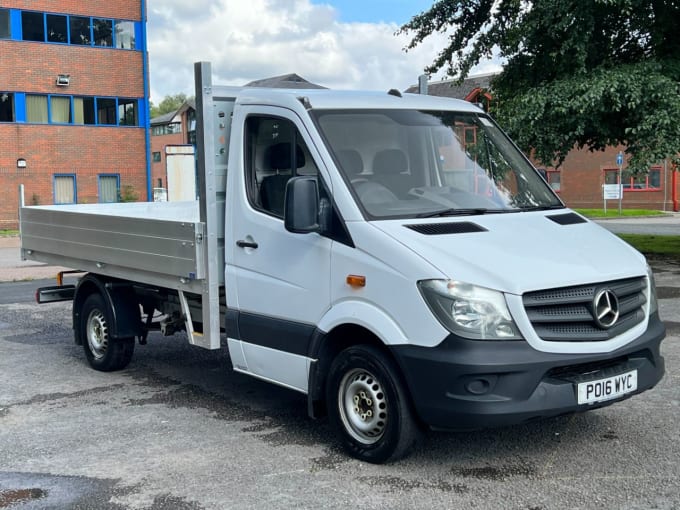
(390, 161)
(278, 156)
(351, 162)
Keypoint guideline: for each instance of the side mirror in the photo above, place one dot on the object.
(301, 206)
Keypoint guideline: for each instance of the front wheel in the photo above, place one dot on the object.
(369, 407)
(102, 352)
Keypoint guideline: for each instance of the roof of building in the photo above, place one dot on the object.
(449, 88)
(168, 118)
(285, 81)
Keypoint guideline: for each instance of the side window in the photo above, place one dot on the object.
(275, 152)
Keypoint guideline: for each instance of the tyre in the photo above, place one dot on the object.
(369, 407)
(102, 352)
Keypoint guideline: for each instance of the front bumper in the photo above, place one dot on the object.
(465, 384)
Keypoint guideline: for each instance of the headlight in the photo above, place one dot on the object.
(653, 303)
(468, 310)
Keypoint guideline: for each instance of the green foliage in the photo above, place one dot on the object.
(613, 212)
(577, 74)
(654, 245)
(169, 104)
(127, 193)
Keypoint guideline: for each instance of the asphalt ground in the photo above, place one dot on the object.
(179, 429)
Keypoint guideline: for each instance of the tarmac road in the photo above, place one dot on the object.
(666, 225)
(179, 429)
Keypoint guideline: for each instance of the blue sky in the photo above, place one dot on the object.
(341, 44)
(375, 11)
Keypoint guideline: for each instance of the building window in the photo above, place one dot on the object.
(5, 25)
(36, 109)
(651, 181)
(83, 108)
(109, 188)
(102, 30)
(57, 28)
(60, 109)
(64, 189)
(106, 111)
(157, 157)
(554, 178)
(125, 35)
(6, 107)
(127, 112)
(80, 30)
(167, 129)
(32, 26)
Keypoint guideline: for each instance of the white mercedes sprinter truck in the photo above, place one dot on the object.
(394, 257)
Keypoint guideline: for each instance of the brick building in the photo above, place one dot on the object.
(580, 178)
(170, 130)
(73, 103)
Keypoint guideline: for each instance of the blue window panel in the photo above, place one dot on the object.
(139, 34)
(142, 109)
(15, 24)
(20, 107)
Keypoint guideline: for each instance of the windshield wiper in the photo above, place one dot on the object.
(464, 212)
(542, 207)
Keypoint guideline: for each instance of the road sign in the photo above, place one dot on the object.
(619, 159)
(611, 191)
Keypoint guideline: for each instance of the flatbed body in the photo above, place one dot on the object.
(156, 243)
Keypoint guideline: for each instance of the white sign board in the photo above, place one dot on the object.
(611, 191)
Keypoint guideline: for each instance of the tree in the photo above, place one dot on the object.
(578, 73)
(169, 104)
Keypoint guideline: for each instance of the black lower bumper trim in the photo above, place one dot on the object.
(465, 384)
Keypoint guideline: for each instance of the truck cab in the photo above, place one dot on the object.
(395, 258)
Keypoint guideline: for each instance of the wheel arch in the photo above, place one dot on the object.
(121, 302)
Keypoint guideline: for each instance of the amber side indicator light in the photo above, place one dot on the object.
(354, 280)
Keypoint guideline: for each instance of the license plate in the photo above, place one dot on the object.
(607, 389)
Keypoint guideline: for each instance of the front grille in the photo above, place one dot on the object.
(567, 314)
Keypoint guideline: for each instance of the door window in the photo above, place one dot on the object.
(275, 152)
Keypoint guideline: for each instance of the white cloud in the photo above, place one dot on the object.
(257, 39)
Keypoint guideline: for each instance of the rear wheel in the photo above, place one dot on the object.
(369, 407)
(102, 352)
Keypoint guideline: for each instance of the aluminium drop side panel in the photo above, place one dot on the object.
(214, 107)
(157, 243)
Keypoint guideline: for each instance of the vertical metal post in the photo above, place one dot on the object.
(205, 146)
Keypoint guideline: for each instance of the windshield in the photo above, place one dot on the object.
(409, 163)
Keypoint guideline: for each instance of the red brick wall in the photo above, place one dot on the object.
(84, 151)
(118, 9)
(582, 177)
(33, 67)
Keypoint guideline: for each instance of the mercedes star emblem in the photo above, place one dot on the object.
(606, 308)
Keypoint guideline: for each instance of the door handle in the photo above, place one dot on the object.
(246, 244)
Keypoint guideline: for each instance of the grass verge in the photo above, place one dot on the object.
(613, 212)
(654, 246)
(8, 233)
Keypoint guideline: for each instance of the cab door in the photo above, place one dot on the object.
(282, 279)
